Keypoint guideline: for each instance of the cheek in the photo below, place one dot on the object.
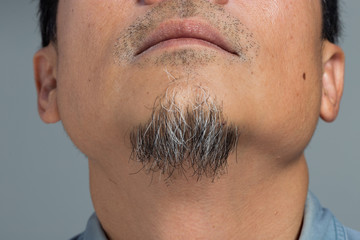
(85, 39)
(290, 107)
(290, 36)
(88, 82)
(284, 107)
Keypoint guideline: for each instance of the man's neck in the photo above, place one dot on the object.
(251, 202)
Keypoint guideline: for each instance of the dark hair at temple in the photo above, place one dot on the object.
(48, 12)
(47, 17)
(331, 20)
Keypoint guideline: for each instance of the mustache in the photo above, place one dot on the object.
(240, 38)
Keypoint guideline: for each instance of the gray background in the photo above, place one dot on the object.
(44, 179)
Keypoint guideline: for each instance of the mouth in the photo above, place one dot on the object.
(178, 33)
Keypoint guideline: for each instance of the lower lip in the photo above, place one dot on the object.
(183, 42)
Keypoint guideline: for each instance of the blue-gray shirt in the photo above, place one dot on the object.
(319, 224)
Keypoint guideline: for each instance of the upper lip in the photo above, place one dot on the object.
(185, 29)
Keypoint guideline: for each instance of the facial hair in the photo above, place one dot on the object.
(193, 135)
(185, 135)
(230, 27)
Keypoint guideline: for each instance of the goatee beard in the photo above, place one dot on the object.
(194, 135)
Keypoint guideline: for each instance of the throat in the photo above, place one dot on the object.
(232, 207)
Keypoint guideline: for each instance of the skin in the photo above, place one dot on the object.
(289, 78)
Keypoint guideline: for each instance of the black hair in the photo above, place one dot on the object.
(331, 20)
(48, 11)
(47, 17)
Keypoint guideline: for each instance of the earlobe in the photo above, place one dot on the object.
(332, 81)
(46, 84)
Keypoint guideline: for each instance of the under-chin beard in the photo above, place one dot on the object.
(187, 136)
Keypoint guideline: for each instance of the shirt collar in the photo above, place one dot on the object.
(93, 230)
(319, 222)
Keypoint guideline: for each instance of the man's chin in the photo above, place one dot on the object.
(187, 132)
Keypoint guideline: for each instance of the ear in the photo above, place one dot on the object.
(45, 62)
(332, 81)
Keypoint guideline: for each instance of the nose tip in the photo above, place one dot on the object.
(149, 2)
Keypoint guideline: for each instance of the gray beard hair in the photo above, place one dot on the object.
(194, 134)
